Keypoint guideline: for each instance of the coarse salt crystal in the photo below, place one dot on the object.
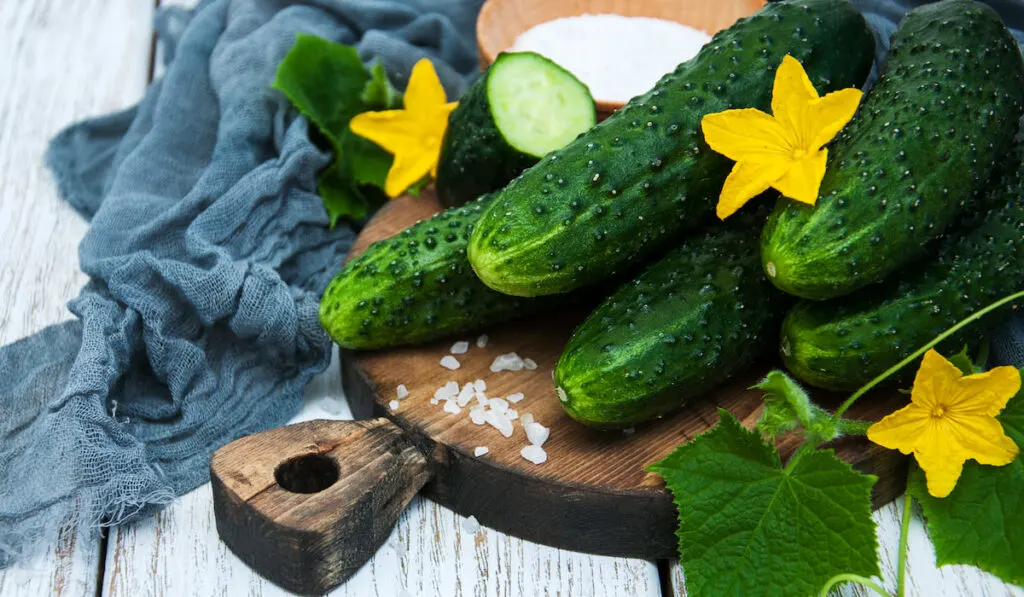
(514, 398)
(512, 414)
(450, 362)
(480, 451)
(526, 419)
(471, 525)
(452, 407)
(401, 391)
(530, 364)
(393, 405)
(466, 394)
(481, 399)
(499, 405)
(480, 385)
(534, 454)
(499, 421)
(481, 342)
(507, 362)
(644, 50)
(460, 347)
(477, 415)
(536, 433)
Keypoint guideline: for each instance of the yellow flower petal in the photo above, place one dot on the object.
(407, 170)
(986, 393)
(941, 471)
(983, 439)
(791, 95)
(394, 130)
(901, 429)
(746, 135)
(828, 115)
(935, 377)
(746, 181)
(424, 87)
(803, 178)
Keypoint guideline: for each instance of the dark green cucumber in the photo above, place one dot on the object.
(690, 321)
(624, 190)
(845, 343)
(922, 146)
(414, 287)
(523, 107)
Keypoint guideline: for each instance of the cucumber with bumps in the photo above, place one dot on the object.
(624, 190)
(922, 146)
(523, 107)
(845, 343)
(699, 315)
(414, 287)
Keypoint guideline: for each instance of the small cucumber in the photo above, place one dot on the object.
(415, 287)
(623, 191)
(920, 149)
(522, 108)
(690, 321)
(843, 344)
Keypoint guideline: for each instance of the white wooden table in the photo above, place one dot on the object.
(65, 60)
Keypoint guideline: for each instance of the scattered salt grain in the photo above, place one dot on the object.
(401, 391)
(499, 421)
(514, 398)
(471, 525)
(530, 364)
(480, 451)
(507, 362)
(460, 347)
(498, 404)
(512, 414)
(526, 419)
(536, 433)
(534, 454)
(644, 50)
(445, 392)
(466, 394)
(406, 593)
(480, 385)
(450, 362)
(477, 415)
(481, 399)
(452, 407)
(393, 405)
(481, 342)
(561, 394)
(629, 430)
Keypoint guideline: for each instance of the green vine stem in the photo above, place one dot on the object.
(841, 578)
(901, 553)
(917, 353)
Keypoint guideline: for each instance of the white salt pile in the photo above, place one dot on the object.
(450, 362)
(617, 57)
(459, 347)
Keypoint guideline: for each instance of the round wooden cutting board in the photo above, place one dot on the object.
(592, 494)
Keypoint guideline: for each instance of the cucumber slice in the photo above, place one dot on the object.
(522, 108)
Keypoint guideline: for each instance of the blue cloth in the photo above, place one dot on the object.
(207, 252)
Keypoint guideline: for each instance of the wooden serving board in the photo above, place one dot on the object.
(592, 494)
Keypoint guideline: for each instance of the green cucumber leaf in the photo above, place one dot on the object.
(378, 94)
(963, 362)
(341, 198)
(748, 526)
(325, 81)
(368, 163)
(787, 407)
(981, 522)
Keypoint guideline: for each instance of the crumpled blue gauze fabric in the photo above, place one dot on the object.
(207, 252)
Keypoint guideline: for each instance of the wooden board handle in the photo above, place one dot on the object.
(307, 505)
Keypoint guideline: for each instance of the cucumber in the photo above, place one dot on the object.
(690, 321)
(415, 287)
(523, 107)
(624, 190)
(922, 146)
(843, 344)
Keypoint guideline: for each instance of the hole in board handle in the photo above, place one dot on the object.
(311, 473)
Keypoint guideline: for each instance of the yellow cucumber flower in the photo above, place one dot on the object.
(951, 418)
(412, 135)
(784, 151)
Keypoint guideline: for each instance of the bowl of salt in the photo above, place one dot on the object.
(618, 48)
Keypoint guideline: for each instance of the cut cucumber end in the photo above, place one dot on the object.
(537, 106)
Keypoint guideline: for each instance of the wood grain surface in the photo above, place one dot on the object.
(593, 493)
(59, 62)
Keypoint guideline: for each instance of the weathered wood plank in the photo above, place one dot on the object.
(924, 579)
(59, 62)
(429, 553)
